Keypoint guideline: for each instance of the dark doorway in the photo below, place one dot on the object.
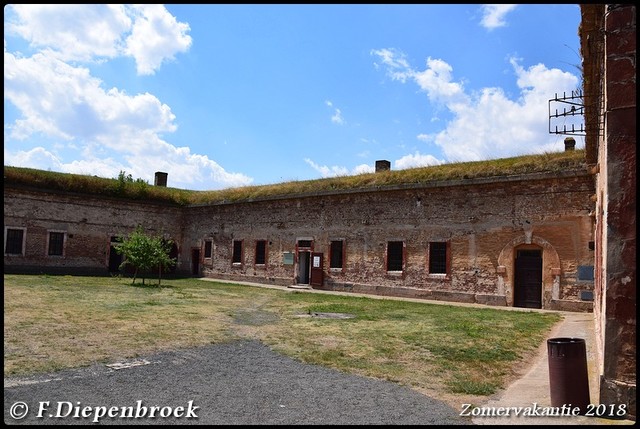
(115, 258)
(173, 254)
(303, 267)
(528, 279)
(195, 262)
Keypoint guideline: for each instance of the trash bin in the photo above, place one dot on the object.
(568, 375)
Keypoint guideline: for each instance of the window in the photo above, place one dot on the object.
(585, 273)
(395, 250)
(438, 258)
(56, 243)
(304, 244)
(261, 252)
(14, 241)
(237, 251)
(208, 245)
(336, 254)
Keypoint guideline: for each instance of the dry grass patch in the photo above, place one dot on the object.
(55, 322)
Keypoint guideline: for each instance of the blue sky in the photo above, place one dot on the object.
(221, 96)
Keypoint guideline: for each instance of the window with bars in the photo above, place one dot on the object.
(336, 254)
(56, 243)
(261, 252)
(438, 257)
(14, 241)
(237, 252)
(395, 257)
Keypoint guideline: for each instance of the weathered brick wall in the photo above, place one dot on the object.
(620, 132)
(478, 217)
(89, 224)
(483, 220)
(608, 46)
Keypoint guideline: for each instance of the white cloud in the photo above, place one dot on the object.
(337, 115)
(107, 129)
(493, 15)
(416, 160)
(59, 100)
(363, 168)
(336, 171)
(396, 63)
(72, 32)
(156, 37)
(328, 171)
(487, 124)
(95, 32)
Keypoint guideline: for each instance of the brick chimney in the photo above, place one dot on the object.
(569, 144)
(383, 165)
(161, 179)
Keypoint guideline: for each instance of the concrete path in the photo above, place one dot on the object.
(534, 386)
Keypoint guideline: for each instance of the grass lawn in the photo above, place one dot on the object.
(56, 322)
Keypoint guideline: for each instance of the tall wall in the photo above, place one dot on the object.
(88, 222)
(608, 45)
(483, 223)
(482, 220)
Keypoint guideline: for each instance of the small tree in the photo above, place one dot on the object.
(144, 252)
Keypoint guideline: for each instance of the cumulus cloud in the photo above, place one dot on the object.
(416, 160)
(493, 15)
(335, 171)
(486, 124)
(94, 32)
(108, 129)
(72, 32)
(156, 37)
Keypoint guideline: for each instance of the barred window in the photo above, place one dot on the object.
(56, 243)
(438, 257)
(14, 240)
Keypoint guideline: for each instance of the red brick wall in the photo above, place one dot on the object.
(89, 223)
(482, 220)
(620, 183)
(479, 218)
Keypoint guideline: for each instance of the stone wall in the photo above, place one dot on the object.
(608, 46)
(482, 222)
(88, 222)
(480, 219)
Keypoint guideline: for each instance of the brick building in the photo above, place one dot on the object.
(546, 239)
(608, 47)
(522, 239)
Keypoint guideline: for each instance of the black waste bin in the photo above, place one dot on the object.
(568, 375)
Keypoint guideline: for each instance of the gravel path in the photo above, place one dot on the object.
(237, 383)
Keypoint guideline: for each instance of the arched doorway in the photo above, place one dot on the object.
(544, 261)
(527, 289)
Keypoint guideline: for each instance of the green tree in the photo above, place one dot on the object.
(144, 253)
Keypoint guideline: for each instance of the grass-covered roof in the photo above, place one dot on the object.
(125, 187)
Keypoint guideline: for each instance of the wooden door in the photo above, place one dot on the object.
(528, 279)
(317, 270)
